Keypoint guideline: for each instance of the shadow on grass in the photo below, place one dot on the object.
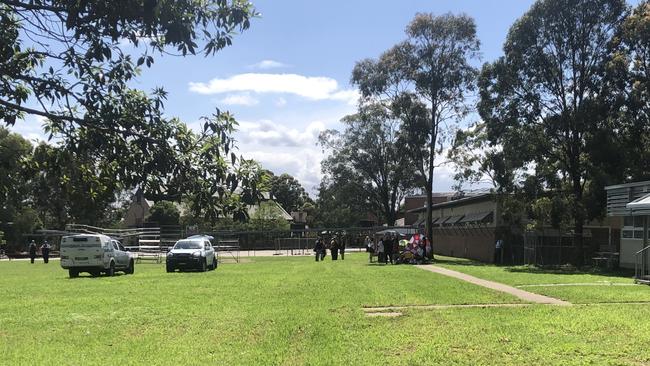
(532, 269)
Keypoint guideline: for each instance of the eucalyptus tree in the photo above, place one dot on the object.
(375, 158)
(543, 99)
(630, 86)
(425, 81)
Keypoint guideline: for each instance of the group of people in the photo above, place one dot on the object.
(336, 247)
(45, 251)
(390, 249)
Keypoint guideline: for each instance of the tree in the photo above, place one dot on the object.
(370, 151)
(26, 221)
(629, 93)
(64, 61)
(340, 203)
(68, 55)
(164, 213)
(288, 192)
(544, 93)
(425, 81)
(14, 175)
(70, 187)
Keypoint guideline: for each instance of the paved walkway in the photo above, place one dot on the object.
(524, 295)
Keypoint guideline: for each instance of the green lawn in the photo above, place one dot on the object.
(293, 311)
(593, 287)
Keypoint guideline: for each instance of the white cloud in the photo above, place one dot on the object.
(239, 99)
(269, 133)
(268, 64)
(309, 87)
(280, 102)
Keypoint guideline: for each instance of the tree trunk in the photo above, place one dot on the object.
(578, 222)
(427, 226)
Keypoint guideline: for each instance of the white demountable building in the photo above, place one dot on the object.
(632, 202)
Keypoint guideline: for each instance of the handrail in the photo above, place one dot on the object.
(642, 250)
(638, 262)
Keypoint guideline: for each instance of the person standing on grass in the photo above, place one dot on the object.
(45, 251)
(370, 248)
(334, 248)
(32, 251)
(381, 256)
(342, 248)
(319, 248)
(388, 249)
(498, 251)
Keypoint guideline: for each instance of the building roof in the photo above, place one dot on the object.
(458, 202)
(628, 185)
(642, 203)
(274, 209)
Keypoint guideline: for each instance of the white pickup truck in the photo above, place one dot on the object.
(94, 253)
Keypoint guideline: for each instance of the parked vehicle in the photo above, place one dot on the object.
(94, 253)
(195, 252)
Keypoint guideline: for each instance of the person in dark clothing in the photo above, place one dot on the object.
(45, 251)
(319, 249)
(498, 251)
(32, 251)
(342, 249)
(334, 249)
(388, 248)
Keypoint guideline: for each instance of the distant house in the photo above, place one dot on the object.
(138, 210)
(268, 209)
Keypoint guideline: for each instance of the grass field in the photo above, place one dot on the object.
(293, 311)
(570, 285)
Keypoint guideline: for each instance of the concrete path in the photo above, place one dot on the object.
(524, 295)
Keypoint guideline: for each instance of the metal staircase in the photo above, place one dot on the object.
(642, 266)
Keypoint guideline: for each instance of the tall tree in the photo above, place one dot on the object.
(288, 192)
(373, 154)
(630, 89)
(544, 93)
(425, 80)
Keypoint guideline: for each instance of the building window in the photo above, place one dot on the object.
(638, 234)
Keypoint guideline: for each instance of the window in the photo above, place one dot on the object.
(115, 246)
(188, 244)
(628, 234)
(638, 234)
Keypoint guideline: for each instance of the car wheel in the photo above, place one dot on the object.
(204, 265)
(73, 273)
(170, 269)
(111, 270)
(131, 268)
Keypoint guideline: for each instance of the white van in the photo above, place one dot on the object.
(94, 253)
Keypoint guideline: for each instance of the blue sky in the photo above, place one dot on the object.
(287, 77)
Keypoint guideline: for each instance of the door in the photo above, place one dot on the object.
(120, 256)
(209, 253)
